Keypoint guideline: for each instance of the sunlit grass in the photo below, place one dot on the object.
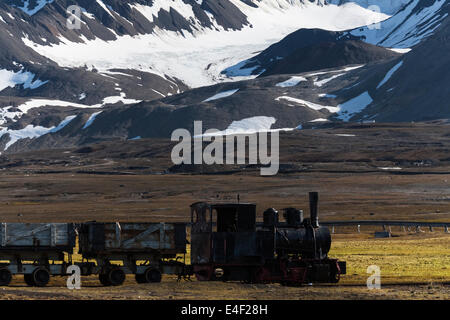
(401, 260)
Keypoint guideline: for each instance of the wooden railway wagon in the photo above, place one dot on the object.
(146, 250)
(35, 250)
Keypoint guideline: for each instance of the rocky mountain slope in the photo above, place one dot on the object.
(329, 55)
(143, 68)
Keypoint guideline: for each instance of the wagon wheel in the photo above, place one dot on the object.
(41, 277)
(140, 278)
(116, 276)
(28, 280)
(5, 277)
(152, 275)
(103, 277)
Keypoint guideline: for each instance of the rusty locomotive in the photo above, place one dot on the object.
(226, 244)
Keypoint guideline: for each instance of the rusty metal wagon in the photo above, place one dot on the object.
(36, 250)
(146, 250)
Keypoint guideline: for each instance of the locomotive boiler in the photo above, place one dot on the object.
(227, 244)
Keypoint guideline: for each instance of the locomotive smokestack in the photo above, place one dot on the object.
(313, 202)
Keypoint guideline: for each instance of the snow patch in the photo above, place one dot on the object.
(344, 135)
(326, 95)
(221, 95)
(400, 50)
(91, 119)
(63, 123)
(308, 104)
(249, 126)
(319, 120)
(39, 5)
(11, 79)
(292, 82)
(324, 81)
(32, 132)
(353, 106)
(389, 74)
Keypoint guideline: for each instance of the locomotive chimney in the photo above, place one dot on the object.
(313, 201)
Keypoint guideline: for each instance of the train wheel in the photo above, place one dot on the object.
(334, 277)
(204, 273)
(104, 279)
(140, 278)
(152, 275)
(29, 280)
(263, 275)
(335, 274)
(41, 277)
(5, 277)
(250, 275)
(116, 276)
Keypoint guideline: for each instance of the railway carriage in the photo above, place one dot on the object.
(36, 250)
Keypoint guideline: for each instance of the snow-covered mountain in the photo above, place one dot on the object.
(408, 27)
(415, 87)
(144, 67)
(413, 23)
(185, 39)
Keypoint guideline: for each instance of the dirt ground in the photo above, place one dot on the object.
(66, 197)
(169, 288)
(134, 181)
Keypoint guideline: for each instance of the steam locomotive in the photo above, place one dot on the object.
(226, 244)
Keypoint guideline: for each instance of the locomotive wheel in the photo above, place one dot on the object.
(40, 277)
(334, 277)
(250, 275)
(152, 275)
(116, 276)
(5, 277)
(263, 275)
(28, 280)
